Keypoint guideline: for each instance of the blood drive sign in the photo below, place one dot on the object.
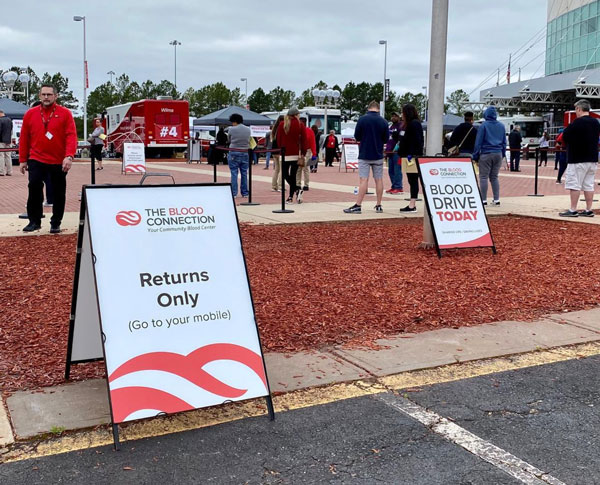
(455, 206)
(173, 297)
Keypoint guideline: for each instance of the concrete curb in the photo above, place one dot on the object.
(84, 404)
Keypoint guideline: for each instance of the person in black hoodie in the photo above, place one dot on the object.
(411, 146)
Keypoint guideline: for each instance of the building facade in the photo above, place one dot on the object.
(572, 36)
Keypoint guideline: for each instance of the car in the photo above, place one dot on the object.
(81, 145)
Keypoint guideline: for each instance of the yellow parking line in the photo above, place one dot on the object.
(202, 418)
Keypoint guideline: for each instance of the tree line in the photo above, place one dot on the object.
(353, 100)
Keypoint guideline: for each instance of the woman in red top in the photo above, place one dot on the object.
(290, 135)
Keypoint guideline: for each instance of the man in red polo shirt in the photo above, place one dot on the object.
(46, 147)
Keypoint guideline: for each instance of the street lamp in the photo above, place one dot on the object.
(325, 99)
(111, 74)
(175, 43)
(79, 18)
(24, 78)
(245, 79)
(426, 101)
(384, 43)
(10, 78)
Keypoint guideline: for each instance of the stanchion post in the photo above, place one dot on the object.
(250, 163)
(215, 166)
(93, 167)
(283, 210)
(535, 191)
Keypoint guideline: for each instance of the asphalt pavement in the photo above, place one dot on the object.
(534, 425)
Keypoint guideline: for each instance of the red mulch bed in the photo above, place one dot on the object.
(316, 285)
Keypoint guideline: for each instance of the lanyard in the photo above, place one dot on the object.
(47, 121)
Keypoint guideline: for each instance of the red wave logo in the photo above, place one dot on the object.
(128, 218)
(133, 168)
(434, 171)
(128, 400)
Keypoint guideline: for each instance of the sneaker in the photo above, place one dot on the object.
(299, 196)
(289, 200)
(378, 208)
(54, 228)
(408, 209)
(484, 202)
(47, 204)
(569, 213)
(355, 209)
(274, 190)
(586, 213)
(390, 191)
(558, 182)
(305, 188)
(32, 226)
(495, 202)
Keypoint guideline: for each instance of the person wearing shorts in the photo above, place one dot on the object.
(372, 133)
(581, 138)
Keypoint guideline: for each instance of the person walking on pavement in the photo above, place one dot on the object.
(6, 126)
(308, 150)
(315, 161)
(561, 156)
(238, 136)
(514, 143)
(410, 147)
(331, 148)
(46, 147)
(372, 133)
(544, 145)
(276, 180)
(290, 136)
(394, 169)
(97, 143)
(581, 138)
(490, 150)
(464, 136)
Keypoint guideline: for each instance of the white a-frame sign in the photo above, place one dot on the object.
(162, 294)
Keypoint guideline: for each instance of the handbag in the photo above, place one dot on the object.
(301, 161)
(455, 150)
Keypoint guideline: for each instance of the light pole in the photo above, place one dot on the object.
(24, 78)
(321, 96)
(175, 43)
(10, 78)
(426, 102)
(79, 18)
(245, 79)
(111, 74)
(384, 43)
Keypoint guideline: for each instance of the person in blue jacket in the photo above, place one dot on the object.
(490, 150)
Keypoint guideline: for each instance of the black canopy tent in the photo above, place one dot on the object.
(12, 109)
(450, 122)
(221, 117)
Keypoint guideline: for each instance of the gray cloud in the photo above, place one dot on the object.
(289, 44)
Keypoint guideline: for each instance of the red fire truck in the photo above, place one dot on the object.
(162, 125)
(570, 116)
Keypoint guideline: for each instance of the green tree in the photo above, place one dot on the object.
(101, 98)
(281, 98)
(456, 102)
(419, 100)
(259, 101)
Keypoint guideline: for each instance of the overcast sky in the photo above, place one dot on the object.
(290, 44)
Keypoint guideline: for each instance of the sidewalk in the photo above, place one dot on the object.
(84, 404)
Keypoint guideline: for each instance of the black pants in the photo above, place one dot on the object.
(515, 158)
(290, 170)
(329, 156)
(96, 152)
(58, 179)
(543, 157)
(413, 181)
(562, 165)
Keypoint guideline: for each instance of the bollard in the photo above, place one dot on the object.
(283, 210)
(535, 191)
